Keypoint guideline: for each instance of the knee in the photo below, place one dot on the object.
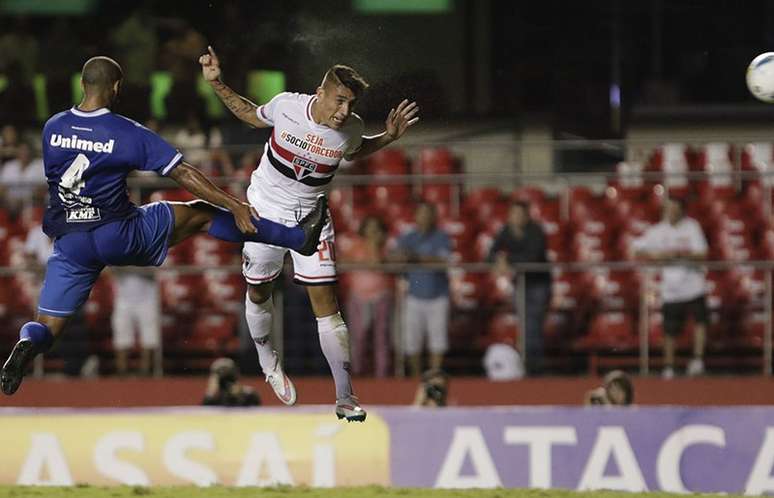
(259, 294)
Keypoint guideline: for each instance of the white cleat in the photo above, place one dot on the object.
(281, 383)
(695, 367)
(349, 408)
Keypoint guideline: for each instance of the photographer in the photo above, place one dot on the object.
(222, 387)
(616, 389)
(433, 389)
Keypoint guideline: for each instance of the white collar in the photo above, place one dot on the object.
(90, 114)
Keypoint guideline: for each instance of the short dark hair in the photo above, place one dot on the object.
(101, 72)
(348, 77)
(618, 377)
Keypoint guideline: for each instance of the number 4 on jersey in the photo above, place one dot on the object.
(72, 182)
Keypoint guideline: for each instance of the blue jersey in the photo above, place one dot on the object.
(87, 157)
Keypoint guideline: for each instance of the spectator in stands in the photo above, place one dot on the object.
(9, 141)
(22, 179)
(522, 240)
(679, 241)
(426, 309)
(502, 362)
(370, 300)
(136, 308)
(616, 389)
(433, 390)
(191, 139)
(37, 246)
(223, 389)
(19, 50)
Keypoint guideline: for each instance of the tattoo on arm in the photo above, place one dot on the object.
(240, 106)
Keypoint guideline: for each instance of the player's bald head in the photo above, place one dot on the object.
(101, 73)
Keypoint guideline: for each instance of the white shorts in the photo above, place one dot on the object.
(143, 317)
(426, 317)
(262, 263)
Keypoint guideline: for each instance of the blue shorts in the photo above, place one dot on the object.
(79, 257)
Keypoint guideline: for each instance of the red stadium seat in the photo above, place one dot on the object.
(617, 290)
(629, 182)
(503, 328)
(225, 291)
(759, 157)
(716, 160)
(467, 289)
(531, 195)
(609, 331)
(180, 294)
(99, 307)
(214, 334)
(436, 161)
(463, 234)
(391, 161)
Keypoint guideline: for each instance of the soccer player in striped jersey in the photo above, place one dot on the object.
(311, 135)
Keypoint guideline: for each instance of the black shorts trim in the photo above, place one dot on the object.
(315, 284)
(676, 314)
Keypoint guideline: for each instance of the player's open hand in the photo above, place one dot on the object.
(401, 118)
(210, 65)
(243, 214)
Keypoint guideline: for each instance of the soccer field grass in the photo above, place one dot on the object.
(302, 492)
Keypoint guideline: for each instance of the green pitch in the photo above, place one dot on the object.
(301, 492)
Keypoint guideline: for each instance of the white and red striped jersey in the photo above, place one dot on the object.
(301, 156)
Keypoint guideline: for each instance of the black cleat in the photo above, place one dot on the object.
(16, 366)
(312, 225)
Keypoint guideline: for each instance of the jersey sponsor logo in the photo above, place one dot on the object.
(290, 119)
(303, 167)
(83, 215)
(308, 146)
(74, 142)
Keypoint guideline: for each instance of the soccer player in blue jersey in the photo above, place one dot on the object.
(88, 151)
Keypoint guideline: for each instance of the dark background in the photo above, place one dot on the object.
(478, 59)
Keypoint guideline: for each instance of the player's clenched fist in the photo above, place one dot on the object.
(210, 65)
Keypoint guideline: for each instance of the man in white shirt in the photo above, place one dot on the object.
(311, 135)
(137, 309)
(679, 239)
(21, 177)
(502, 362)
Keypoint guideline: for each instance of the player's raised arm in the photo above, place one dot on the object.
(398, 121)
(238, 105)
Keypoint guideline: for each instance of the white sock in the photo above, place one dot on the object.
(334, 341)
(259, 321)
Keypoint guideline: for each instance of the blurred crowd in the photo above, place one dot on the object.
(399, 322)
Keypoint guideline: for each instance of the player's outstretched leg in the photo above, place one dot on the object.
(34, 338)
(191, 217)
(259, 309)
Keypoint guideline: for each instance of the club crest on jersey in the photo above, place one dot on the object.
(83, 215)
(303, 167)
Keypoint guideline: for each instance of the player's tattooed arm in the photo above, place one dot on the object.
(238, 105)
(398, 121)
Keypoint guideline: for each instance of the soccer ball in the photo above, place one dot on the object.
(760, 77)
